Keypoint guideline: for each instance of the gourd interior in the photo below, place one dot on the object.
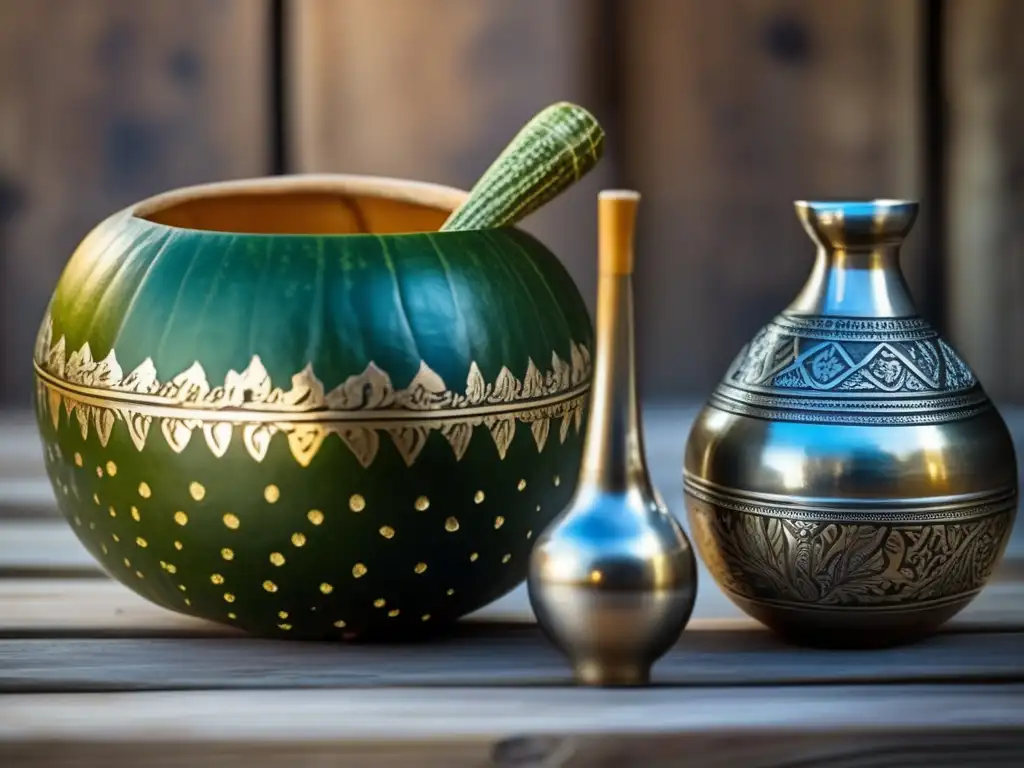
(297, 207)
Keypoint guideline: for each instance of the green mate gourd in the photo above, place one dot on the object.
(322, 406)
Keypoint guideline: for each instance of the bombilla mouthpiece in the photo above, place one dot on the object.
(616, 221)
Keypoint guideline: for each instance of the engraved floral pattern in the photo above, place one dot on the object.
(847, 563)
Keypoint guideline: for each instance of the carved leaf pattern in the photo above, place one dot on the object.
(847, 564)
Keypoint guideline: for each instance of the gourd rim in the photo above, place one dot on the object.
(427, 194)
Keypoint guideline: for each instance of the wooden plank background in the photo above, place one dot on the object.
(984, 69)
(103, 102)
(721, 114)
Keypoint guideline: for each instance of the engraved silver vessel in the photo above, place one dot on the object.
(613, 578)
(849, 482)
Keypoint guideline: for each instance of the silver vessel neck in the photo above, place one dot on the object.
(856, 271)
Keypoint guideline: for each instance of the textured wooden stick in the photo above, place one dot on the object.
(549, 154)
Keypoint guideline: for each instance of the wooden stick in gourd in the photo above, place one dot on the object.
(549, 154)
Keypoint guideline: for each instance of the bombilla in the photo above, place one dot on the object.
(613, 578)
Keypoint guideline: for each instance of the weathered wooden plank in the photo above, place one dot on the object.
(104, 102)
(732, 111)
(984, 72)
(103, 607)
(482, 655)
(714, 727)
(434, 91)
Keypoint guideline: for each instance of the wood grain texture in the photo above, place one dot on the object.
(822, 725)
(984, 71)
(369, 93)
(482, 654)
(732, 111)
(103, 102)
(92, 607)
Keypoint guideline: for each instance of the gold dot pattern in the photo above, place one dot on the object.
(103, 547)
(115, 537)
(558, 480)
(357, 503)
(187, 601)
(78, 521)
(285, 627)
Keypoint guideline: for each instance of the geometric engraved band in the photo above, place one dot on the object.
(839, 370)
(859, 412)
(918, 511)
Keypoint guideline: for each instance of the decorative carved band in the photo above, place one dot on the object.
(99, 394)
(863, 558)
(850, 370)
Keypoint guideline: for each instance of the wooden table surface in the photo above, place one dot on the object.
(91, 674)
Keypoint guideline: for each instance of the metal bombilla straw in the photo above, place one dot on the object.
(613, 578)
